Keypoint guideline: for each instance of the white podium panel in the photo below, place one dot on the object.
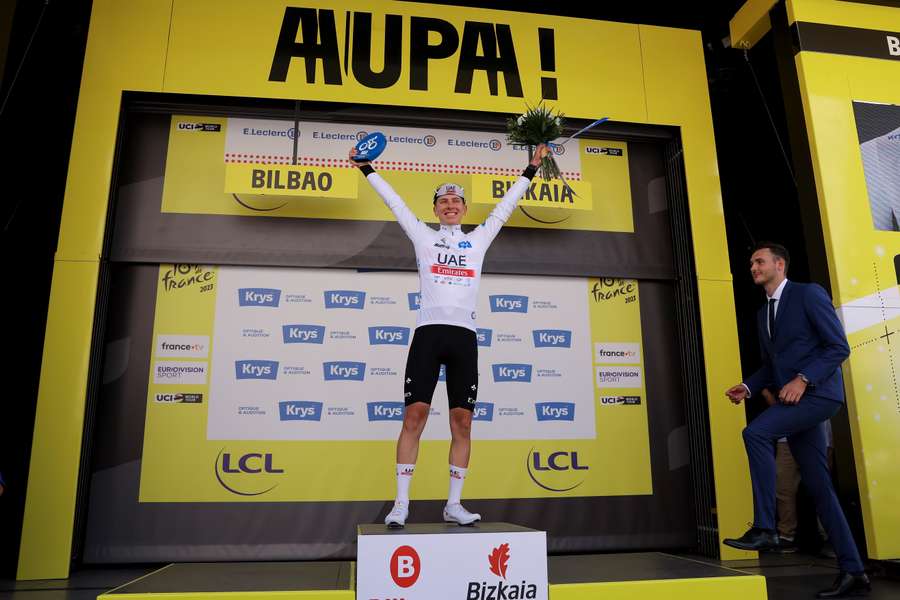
(430, 561)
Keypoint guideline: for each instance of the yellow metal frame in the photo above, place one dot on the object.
(186, 46)
(829, 83)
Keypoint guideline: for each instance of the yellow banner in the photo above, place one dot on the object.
(404, 54)
(181, 464)
(274, 180)
(555, 193)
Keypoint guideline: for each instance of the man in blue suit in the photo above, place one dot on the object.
(803, 345)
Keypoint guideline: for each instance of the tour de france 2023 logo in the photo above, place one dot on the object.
(177, 277)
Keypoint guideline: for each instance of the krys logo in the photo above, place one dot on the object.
(557, 471)
(250, 474)
(517, 372)
(498, 563)
(256, 369)
(259, 297)
(178, 277)
(506, 303)
(385, 411)
(483, 411)
(299, 410)
(552, 338)
(415, 300)
(385, 334)
(343, 370)
(303, 334)
(345, 299)
(555, 411)
(483, 336)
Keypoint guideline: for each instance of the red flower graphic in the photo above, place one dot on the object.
(498, 559)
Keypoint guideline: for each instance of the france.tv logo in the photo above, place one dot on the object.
(512, 372)
(256, 369)
(483, 336)
(506, 303)
(344, 371)
(555, 411)
(415, 300)
(303, 334)
(388, 334)
(259, 297)
(385, 411)
(552, 338)
(299, 410)
(345, 299)
(483, 411)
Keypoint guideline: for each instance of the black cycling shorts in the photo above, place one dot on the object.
(436, 345)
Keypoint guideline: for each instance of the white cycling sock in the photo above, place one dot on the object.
(404, 477)
(457, 478)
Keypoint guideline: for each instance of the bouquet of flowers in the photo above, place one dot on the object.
(538, 125)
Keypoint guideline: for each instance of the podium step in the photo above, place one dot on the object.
(631, 576)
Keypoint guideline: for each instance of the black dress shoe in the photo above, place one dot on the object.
(754, 539)
(847, 585)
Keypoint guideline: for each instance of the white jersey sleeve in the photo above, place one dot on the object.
(411, 225)
(488, 230)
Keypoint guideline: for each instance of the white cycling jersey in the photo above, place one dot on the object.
(449, 260)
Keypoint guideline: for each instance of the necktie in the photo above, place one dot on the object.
(772, 318)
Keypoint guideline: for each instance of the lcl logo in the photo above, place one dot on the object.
(405, 566)
(256, 464)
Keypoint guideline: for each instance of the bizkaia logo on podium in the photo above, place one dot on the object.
(498, 564)
(405, 566)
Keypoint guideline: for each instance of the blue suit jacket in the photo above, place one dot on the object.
(809, 339)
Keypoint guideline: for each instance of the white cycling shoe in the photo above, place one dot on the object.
(397, 517)
(455, 513)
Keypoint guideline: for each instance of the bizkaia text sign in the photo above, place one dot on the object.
(483, 563)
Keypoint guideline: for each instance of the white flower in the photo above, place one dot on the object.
(557, 121)
(520, 120)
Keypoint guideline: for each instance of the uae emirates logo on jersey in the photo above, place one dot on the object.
(498, 562)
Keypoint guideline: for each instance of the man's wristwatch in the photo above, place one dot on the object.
(803, 378)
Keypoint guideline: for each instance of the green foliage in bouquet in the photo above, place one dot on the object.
(538, 125)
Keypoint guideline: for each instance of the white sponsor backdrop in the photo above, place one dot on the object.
(295, 401)
(453, 566)
(409, 148)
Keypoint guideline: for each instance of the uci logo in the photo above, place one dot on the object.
(256, 369)
(345, 299)
(341, 370)
(512, 372)
(556, 474)
(483, 411)
(398, 336)
(506, 303)
(552, 338)
(259, 297)
(233, 468)
(300, 411)
(555, 411)
(385, 411)
(303, 334)
(405, 566)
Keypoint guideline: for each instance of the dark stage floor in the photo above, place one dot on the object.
(788, 577)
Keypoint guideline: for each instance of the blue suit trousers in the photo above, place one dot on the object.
(802, 424)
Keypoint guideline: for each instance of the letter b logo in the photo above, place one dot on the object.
(405, 566)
